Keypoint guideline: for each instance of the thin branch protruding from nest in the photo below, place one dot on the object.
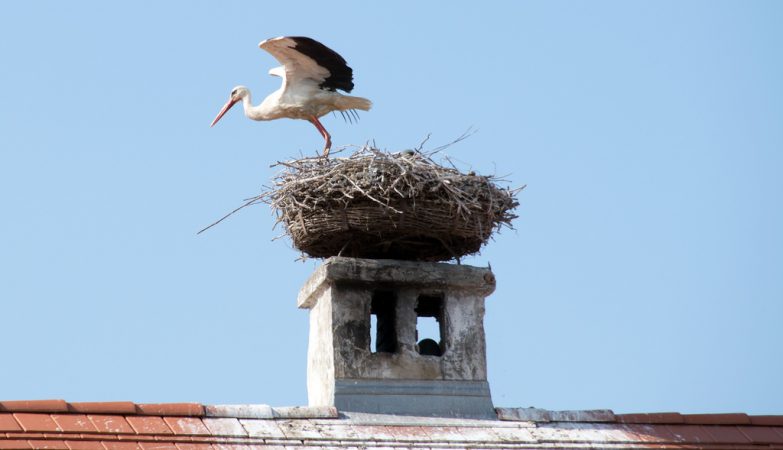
(250, 201)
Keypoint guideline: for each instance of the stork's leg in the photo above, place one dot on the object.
(314, 120)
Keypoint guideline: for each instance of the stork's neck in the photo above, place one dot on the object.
(258, 112)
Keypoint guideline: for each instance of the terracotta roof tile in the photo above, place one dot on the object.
(103, 407)
(74, 423)
(84, 445)
(110, 424)
(396, 432)
(691, 434)
(125, 425)
(158, 446)
(14, 444)
(47, 444)
(762, 435)
(119, 445)
(235, 446)
(262, 428)
(651, 433)
(8, 423)
(34, 406)
(728, 435)
(444, 433)
(767, 420)
(186, 425)
(171, 409)
(194, 446)
(299, 429)
(149, 425)
(717, 419)
(224, 427)
(505, 434)
(665, 417)
(36, 422)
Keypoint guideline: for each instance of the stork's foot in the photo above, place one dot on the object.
(327, 147)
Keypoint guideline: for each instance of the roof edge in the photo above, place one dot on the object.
(260, 411)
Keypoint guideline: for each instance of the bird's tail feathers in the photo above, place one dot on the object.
(346, 102)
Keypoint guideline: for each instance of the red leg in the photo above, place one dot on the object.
(314, 120)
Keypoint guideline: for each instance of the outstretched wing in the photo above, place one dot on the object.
(306, 59)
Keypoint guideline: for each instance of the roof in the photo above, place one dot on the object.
(126, 425)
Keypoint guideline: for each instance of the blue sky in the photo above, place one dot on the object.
(645, 272)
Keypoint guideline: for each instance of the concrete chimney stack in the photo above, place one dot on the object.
(365, 353)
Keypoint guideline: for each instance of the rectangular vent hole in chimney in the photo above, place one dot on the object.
(383, 330)
(429, 325)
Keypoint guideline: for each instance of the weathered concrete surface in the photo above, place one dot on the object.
(252, 411)
(543, 415)
(339, 295)
(377, 272)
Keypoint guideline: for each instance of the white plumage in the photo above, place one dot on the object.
(312, 73)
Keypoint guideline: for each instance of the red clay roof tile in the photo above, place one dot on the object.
(261, 428)
(171, 409)
(110, 424)
(149, 425)
(36, 422)
(188, 426)
(74, 423)
(194, 446)
(665, 417)
(47, 444)
(224, 427)
(727, 435)
(14, 444)
(125, 425)
(717, 419)
(118, 445)
(158, 445)
(692, 434)
(651, 433)
(34, 406)
(8, 423)
(767, 420)
(103, 407)
(84, 445)
(762, 435)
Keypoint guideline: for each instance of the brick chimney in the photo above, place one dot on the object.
(366, 354)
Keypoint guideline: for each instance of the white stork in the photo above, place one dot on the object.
(311, 73)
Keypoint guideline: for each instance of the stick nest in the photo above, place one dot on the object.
(376, 204)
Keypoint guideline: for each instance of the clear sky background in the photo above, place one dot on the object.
(645, 272)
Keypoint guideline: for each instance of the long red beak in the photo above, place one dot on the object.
(225, 109)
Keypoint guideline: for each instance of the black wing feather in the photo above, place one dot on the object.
(341, 76)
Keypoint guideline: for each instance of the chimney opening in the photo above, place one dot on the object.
(429, 325)
(383, 332)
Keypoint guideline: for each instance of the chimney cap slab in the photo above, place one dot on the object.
(395, 272)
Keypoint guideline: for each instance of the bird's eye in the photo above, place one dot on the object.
(234, 92)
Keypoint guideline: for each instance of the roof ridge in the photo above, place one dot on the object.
(261, 411)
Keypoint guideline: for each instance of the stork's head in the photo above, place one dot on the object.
(237, 94)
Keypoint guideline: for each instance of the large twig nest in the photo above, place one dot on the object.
(375, 204)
